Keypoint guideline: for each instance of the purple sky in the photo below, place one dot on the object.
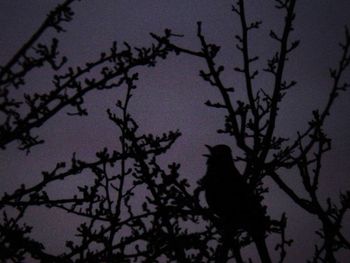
(172, 95)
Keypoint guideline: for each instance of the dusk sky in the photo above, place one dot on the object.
(172, 95)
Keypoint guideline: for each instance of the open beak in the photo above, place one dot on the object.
(210, 149)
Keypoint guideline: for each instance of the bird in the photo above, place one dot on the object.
(233, 201)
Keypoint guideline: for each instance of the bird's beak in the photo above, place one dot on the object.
(209, 147)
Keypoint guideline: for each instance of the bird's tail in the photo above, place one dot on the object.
(260, 243)
(228, 242)
(222, 252)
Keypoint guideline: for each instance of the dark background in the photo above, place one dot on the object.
(172, 95)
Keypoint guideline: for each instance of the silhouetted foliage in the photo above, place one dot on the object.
(173, 223)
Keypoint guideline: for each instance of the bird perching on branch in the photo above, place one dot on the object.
(234, 202)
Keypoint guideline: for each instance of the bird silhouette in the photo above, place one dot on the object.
(234, 202)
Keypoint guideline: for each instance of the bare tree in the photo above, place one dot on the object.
(69, 88)
(172, 223)
(252, 123)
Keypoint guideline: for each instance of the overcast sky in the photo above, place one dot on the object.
(172, 95)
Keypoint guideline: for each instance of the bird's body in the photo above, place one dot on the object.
(232, 199)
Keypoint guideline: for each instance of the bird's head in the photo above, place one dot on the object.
(220, 152)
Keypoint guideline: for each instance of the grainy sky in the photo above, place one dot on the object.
(172, 95)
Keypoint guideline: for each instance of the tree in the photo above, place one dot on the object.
(172, 223)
